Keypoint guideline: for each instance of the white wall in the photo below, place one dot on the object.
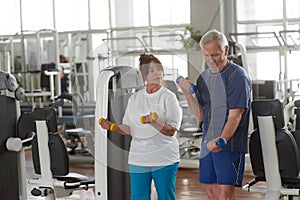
(202, 14)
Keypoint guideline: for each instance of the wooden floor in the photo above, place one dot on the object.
(187, 185)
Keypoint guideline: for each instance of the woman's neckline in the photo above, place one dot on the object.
(152, 88)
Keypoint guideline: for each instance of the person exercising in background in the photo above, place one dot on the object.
(64, 80)
(154, 149)
(223, 101)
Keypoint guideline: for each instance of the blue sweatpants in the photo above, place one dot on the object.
(164, 178)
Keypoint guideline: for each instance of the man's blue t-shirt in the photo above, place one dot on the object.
(220, 92)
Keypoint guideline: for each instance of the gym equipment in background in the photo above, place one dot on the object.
(74, 122)
(51, 161)
(274, 152)
(11, 182)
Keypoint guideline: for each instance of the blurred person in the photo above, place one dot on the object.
(64, 80)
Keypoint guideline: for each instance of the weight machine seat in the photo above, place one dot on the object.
(59, 158)
(287, 148)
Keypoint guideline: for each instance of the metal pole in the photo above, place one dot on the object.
(150, 24)
(90, 62)
(56, 56)
(23, 59)
(285, 75)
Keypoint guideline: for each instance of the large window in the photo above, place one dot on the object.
(170, 12)
(140, 13)
(259, 9)
(41, 18)
(9, 25)
(99, 14)
(149, 20)
(293, 7)
(86, 27)
(127, 13)
(269, 55)
(71, 15)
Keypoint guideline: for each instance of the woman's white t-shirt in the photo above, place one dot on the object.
(148, 146)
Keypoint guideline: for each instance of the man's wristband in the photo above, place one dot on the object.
(221, 143)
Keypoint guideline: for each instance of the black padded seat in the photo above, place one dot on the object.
(287, 148)
(59, 158)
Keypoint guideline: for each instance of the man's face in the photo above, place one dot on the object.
(215, 57)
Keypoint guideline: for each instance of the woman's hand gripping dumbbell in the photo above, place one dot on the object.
(105, 124)
(147, 119)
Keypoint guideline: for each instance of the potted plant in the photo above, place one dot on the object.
(191, 38)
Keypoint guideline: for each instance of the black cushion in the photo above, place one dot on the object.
(26, 125)
(58, 156)
(287, 151)
(287, 148)
(49, 115)
(268, 107)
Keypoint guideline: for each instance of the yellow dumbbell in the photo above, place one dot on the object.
(100, 120)
(112, 127)
(142, 119)
(153, 116)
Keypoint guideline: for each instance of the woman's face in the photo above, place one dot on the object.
(155, 74)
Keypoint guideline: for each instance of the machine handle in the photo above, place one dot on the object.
(16, 144)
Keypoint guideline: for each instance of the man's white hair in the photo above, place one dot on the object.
(212, 36)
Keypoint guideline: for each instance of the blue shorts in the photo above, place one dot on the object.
(223, 168)
(164, 178)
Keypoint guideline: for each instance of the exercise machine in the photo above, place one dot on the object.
(114, 87)
(11, 182)
(49, 155)
(274, 152)
(51, 161)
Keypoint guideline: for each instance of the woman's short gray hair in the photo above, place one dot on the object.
(214, 35)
